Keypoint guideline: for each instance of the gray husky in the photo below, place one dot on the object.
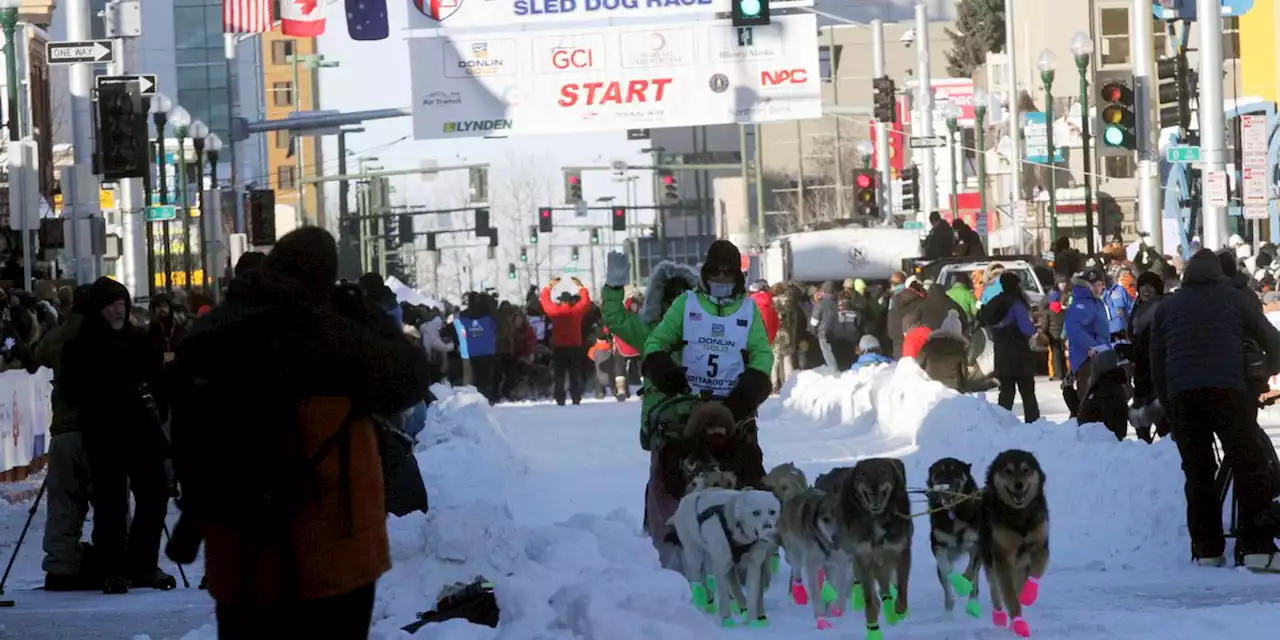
(876, 530)
(809, 529)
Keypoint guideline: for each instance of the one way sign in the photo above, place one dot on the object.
(73, 51)
(146, 82)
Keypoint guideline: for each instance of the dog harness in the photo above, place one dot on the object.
(712, 354)
(738, 550)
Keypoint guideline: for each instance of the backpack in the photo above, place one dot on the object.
(405, 491)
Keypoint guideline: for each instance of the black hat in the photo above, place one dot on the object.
(249, 261)
(308, 256)
(1151, 279)
(722, 255)
(104, 292)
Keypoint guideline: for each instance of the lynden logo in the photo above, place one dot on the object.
(442, 99)
(438, 10)
(783, 78)
(467, 126)
(568, 58)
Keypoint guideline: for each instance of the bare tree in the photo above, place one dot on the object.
(522, 186)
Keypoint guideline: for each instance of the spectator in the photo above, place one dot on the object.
(477, 344)
(760, 294)
(1067, 262)
(943, 353)
(567, 351)
(822, 322)
(991, 282)
(1087, 331)
(1059, 299)
(937, 306)
(869, 353)
(1009, 317)
(915, 336)
(903, 304)
(968, 242)
(961, 292)
(784, 363)
(1119, 305)
(941, 241)
(1141, 322)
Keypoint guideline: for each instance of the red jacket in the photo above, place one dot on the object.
(764, 302)
(566, 319)
(914, 341)
(524, 340)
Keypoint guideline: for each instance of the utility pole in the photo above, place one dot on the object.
(1213, 144)
(1143, 52)
(79, 27)
(924, 102)
(882, 129)
(122, 21)
(1015, 117)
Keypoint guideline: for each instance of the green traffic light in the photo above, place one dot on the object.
(1113, 136)
(750, 8)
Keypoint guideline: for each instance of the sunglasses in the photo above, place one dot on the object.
(722, 271)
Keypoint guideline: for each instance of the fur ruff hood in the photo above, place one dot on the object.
(664, 272)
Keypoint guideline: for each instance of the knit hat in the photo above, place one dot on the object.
(1151, 279)
(860, 286)
(308, 256)
(722, 255)
(104, 292)
(869, 343)
(249, 261)
(952, 324)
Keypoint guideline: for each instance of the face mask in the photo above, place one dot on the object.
(720, 289)
(719, 444)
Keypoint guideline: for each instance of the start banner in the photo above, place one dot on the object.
(26, 410)
(615, 78)
(451, 14)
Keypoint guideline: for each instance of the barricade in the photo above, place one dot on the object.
(26, 409)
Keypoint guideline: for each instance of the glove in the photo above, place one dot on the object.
(577, 282)
(664, 374)
(617, 270)
(554, 281)
(748, 394)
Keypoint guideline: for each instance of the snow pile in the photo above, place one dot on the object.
(1112, 504)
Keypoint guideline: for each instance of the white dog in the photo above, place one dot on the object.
(729, 533)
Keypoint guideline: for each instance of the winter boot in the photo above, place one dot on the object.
(154, 579)
(1259, 557)
(620, 390)
(115, 586)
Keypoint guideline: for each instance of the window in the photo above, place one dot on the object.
(282, 139)
(1119, 166)
(281, 51)
(282, 94)
(286, 177)
(1113, 33)
(829, 62)
(1231, 38)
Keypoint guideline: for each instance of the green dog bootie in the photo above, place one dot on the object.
(774, 563)
(711, 583)
(699, 595)
(973, 608)
(829, 594)
(961, 584)
(728, 623)
(759, 623)
(857, 599)
(890, 607)
(874, 632)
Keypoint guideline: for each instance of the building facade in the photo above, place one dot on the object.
(289, 86)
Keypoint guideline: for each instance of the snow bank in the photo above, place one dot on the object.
(1112, 504)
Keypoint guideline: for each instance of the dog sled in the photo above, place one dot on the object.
(664, 424)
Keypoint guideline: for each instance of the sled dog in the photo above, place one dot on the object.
(810, 533)
(707, 475)
(876, 530)
(784, 481)
(730, 534)
(955, 520)
(1015, 536)
(833, 480)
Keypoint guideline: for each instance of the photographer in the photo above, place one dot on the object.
(107, 372)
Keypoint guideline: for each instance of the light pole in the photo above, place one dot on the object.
(311, 63)
(212, 227)
(866, 149)
(159, 108)
(199, 131)
(1047, 63)
(180, 120)
(1082, 47)
(980, 102)
(8, 23)
(953, 124)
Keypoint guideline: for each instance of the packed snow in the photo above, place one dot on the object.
(546, 502)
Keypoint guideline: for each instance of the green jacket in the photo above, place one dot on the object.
(670, 332)
(49, 354)
(962, 296)
(622, 323)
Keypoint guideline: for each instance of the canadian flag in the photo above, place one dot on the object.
(301, 18)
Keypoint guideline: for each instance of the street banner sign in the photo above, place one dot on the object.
(614, 78)
(449, 14)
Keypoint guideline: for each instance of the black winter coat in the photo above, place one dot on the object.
(104, 375)
(1197, 341)
(1141, 322)
(1013, 355)
(940, 242)
(970, 243)
(933, 311)
(945, 358)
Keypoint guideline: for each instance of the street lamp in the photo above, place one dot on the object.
(159, 110)
(8, 23)
(1048, 63)
(199, 130)
(1082, 47)
(865, 149)
(180, 120)
(953, 124)
(980, 102)
(212, 145)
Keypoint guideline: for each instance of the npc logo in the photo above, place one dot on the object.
(438, 10)
(719, 83)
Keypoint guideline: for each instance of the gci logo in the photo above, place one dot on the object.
(563, 59)
(785, 77)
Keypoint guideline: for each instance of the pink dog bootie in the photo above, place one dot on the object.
(1030, 591)
(1020, 628)
(798, 593)
(999, 618)
(823, 623)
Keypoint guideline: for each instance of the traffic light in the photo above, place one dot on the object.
(595, 236)
(524, 254)
(619, 218)
(864, 194)
(573, 254)
(1173, 92)
(572, 186)
(885, 110)
(262, 217)
(406, 228)
(544, 220)
(670, 187)
(750, 13)
(123, 149)
(431, 241)
(533, 234)
(478, 184)
(911, 188)
(482, 222)
(1117, 115)
(493, 236)
(511, 271)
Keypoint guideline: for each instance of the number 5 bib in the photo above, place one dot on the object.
(712, 356)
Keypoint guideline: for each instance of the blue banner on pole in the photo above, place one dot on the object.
(1035, 137)
(1186, 9)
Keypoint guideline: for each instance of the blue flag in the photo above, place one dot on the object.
(367, 19)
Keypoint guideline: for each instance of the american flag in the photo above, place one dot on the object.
(246, 16)
(367, 19)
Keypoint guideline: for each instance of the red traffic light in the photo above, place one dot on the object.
(619, 212)
(863, 180)
(668, 179)
(574, 179)
(1112, 92)
(546, 213)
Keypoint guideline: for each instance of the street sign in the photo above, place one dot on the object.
(162, 212)
(1183, 154)
(580, 209)
(928, 143)
(146, 82)
(1215, 188)
(1256, 212)
(73, 51)
(1253, 159)
(637, 134)
(1253, 181)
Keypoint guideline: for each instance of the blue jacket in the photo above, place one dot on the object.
(1119, 306)
(1086, 325)
(870, 358)
(477, 337)
(992, 290)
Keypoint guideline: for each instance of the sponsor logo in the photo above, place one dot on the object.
(643, 115)
(657, 48)
(466, 126)
(763, 109)
(592, 94)
(717, 331)
(719, 83)
(565, 59)
(438, 10)
(510, 96)
(442, 99)
(783, 77)
(858, 257)
(482, 58)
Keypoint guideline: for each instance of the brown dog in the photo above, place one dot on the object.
(1015, 536)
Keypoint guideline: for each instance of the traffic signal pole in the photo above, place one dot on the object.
(1212, 120)
(924, 104)
(1142, 49)
(882, 128)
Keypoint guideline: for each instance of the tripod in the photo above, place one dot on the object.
(31, 515)
(1225, 481)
